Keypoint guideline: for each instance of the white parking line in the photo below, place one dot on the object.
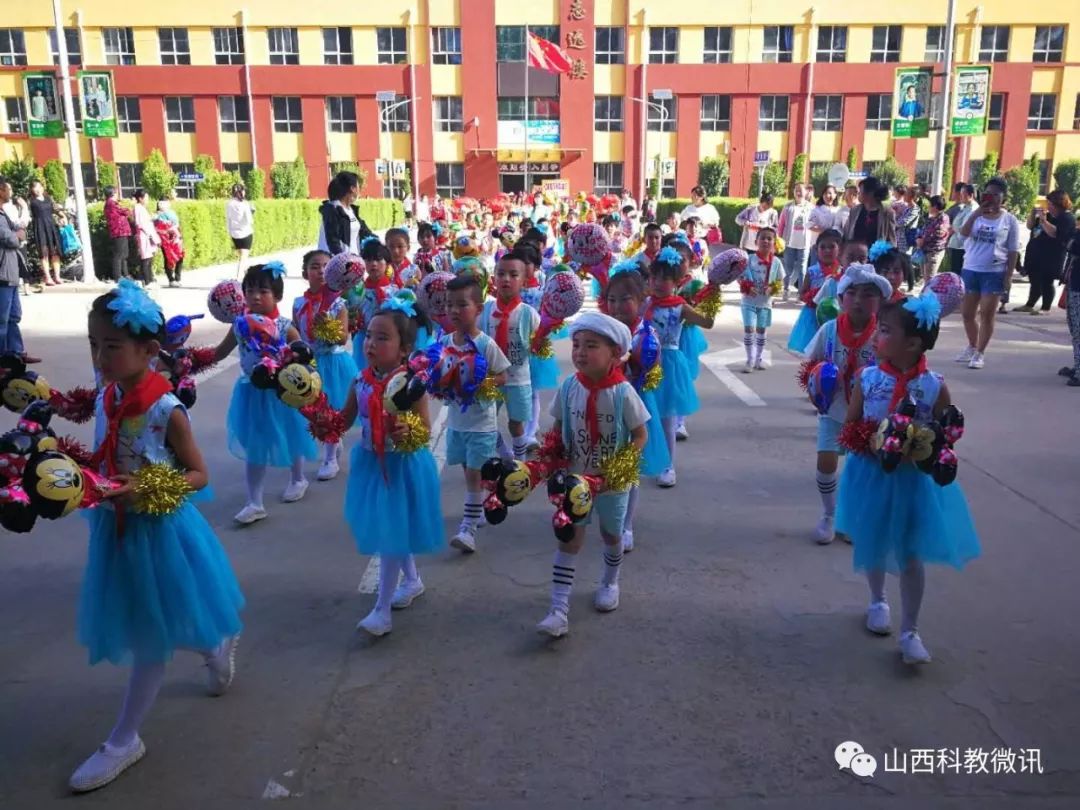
(717, 363)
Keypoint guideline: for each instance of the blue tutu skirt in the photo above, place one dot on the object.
(676, 395)
(358, 350)
(399, 514)
(264, 430)
(693, 344)
(803, 331)
(338, 371)
(654, 456)
(895, 517)
(166, 585)
(544, 372)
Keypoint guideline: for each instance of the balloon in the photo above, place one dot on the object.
(588, 244)
(563, 294)
(178, 330)
(54, 484)
(727, 266)
(644, 354)
(949, 288)
(258, 332)
(821, 385)
(403, 390)
(16, 513)
(827, 310)
(226, 301)
(572, 496)
(298, 384)
(344, 271)
(465, 246)
(20, 386)
(434, 298)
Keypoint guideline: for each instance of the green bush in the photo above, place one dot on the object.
(158, 177)
(775, 179)
(1067, 178)
(348, 166)
(853, 159)
(106, 173)
(713, 175)
(204, 165)
(755, 184)
(21, 172)
(55, 180)
(380, 214)
(891, 173)
(798, 170)
(255, 183)
(988, 169)
(290, 180)
(819, 178)
(947, 169)
(1023, 182)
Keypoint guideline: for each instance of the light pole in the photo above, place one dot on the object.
(384, 96)
(939, 180)
(659, 95)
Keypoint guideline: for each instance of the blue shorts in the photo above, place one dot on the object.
(756, 317)
(984, 283)
(470, 449)
(828, 432)
(610, 509)
(518, 402)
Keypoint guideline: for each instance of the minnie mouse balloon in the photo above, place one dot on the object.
(949, 288)
(344, 271)
(434, 298)
(54, 484)
(727, 266)
(588, 244)
(226, 301)
(563, 294)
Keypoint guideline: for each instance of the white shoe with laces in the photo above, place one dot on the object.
(105, 764)
(249, 514)
(376, 623)
(627, 542)
(465, 539)
(295, 491)
(555, 624)
(681, 433)
(667, 478)
(748, 368)
(328, 470)
(825, 532)
(221, 667)
(760, 364)
(912, 650)
(878, 618)
(607, 598)
(966, 355)
(977, 360)
(406, 593)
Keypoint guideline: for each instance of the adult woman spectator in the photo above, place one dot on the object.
(1051, 230)
(932, 238)
(240, 220)
(706, 213)
(824, 215)
(991, 248)
(755, 217)
(44, 234)
(11, 264)
(871, 219)
(118, 224)
(342, 230)
(145, 237)
(906, 213)
(849, 201)
(1072, 279)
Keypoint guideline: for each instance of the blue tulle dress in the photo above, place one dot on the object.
(261, 428)
(543, 371)
(166, 584)
(655, 457)
(675, 395)
(806, 324)
(397, 514)
(896, 517)
(336, 365)
(693, 344)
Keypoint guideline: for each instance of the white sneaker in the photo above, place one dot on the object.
(105, 764)
(295, 491)
(221, 667)
(878, 619)
(760, 364)
(249, 514)
(977, 360)
(376, 623)
(607, 598)
(405, 593)
(555, 624)
(825, 533)
(681, 433)
(748, 368)
(329, 470)
(912, 650)
(627, 542)
(966, 355)
(465, 539)
(666, 479)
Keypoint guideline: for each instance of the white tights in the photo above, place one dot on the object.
(669, 424)
(255, 475)
(912, 587)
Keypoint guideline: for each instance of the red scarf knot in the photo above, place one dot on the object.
(592, 418)
(667, 302)
(853, 343)
(377, 413)
(502, 330)
(902, 379)
(378, 286)
(314, 304)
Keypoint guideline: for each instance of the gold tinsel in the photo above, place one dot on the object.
(711, 304)
(489, 391)
(622, 470)
(544, 351)
(328, 330)
(774, 288)
(653, 377)
(418, 435)
(159, 489)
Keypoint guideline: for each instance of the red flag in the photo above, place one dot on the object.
(547, 55)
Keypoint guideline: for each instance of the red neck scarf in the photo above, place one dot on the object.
(666, 301)
(898, 295)
(502, 331)
(399, 269)
(829, 270)
(376, 412)
(532, 282)
(592, 418)
(378, 286)
(852, 342)
(902, 379)
(651, 256)
(273, 314)
(765, 260)
(314, 303)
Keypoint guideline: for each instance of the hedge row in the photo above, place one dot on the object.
(279, 225)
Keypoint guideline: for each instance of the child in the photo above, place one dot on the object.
(851, 253)
(377, 288)
(596, 412)
(893, 265)
(511, 323)
(406, 274)
(262, 430)
(336, 365)
(847, 342)
(472, 433)
(671, 223)
(626, 300)
(698, 247)
(429, 253)
(543, 371)
(692, 342)
(901, 520)
(392, 502)
(616, 240)
(153, 584)
(675, 396)
(759, 283)
(826, 267)
(653, 234)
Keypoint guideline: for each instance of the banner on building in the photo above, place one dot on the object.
(44, 113)
(911, 102)
(970, 113)
(559, 188)
(98, 103)
(541, 133)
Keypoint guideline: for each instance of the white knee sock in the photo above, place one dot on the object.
(680, 421)
(142, 691)
(562, 580)
(759, 346)
(631, 504)
(826, 487)
(876, 581)
(534, 420)
(521, 448)
(330, 451)
(255, 475)
(389, 569)
(612, 561)
(668, 423)
(912, 585)
(296, 473)
(474, 508)
(748, 344)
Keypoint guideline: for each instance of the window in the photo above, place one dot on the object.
(233, 114)
(446, 47)
(1049, 43)
(1076, 113)
(924, 172)
(71, 42)
(773, 114)
(717, 45)
(608, 114)
(610, 45)
(995, 122)
(240, 168)
(12, 47)
(284, 46)
(337, 46)
(173, 46)
(1044, 177)
(128, 114)
(879, 111)
(828, 113)
(397, 119)
(512, 108)
(228, 46)
(994, 43)
(935, 44)
(832, 43)
(128, 177)
(391, 45)
(450, 179)
(1041, 111)
(179, 114)
(777, 43)
(184, 190)
(663, 45)
(119, 46)
(287, 117)
(448, 114)
(715, 113)
(661, 115)
(340, 113)
(15, 109)
(667, 187)
(608, 178)
(510, 40)
(886, 44)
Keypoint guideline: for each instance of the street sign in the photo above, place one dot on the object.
(191, 177)
(559, 188)
(399, 168)
(761, 158)
(42, 95)
(385, 95)
(97, 101)
(663, 94)
(667, 168)
(380, 167)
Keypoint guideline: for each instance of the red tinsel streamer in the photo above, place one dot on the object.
(202, 358)
(76, 405)
(855, 436)
(552, 452)
(802, 376)
(324, 423)
(78, 451)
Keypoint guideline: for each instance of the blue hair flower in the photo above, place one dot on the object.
(277, 269)
(367, 239)
(401, 301)
(926, 309)
(625, 266)
(670, 255)
(879, 249)
(135, 310)
(680, 236)
(436, 229)
(543, 228)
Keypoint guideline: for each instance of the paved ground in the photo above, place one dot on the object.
(734, 666)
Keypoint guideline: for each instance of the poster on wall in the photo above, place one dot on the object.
(96, 100)
(542, 133)
(911, 102)
(42, 95)
(970, 113)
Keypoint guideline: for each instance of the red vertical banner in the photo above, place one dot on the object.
(577, 28)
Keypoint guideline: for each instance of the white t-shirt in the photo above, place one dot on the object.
(752, 219)
(822, 217)
(796, 222)
(518, 373)
(238, 218)
(707, 213)
(584, 455)
(988, 246)
(955, 239)
(815, 351)
(480, 417)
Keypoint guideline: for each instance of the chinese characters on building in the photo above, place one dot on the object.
(575, 40)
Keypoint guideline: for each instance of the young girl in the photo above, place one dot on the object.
(153, 584)
(392, 502)
(893, 265)
(618, 418)
(430, 258)
(826, 267)
(365, 301)
(901, 520)
(759, 284)
(262, 430)
(692, 342)
(336, 366)
(406, 274)
(851, 253)
(675, 396)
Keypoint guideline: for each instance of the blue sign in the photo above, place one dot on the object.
(761, 158)
(191, 177)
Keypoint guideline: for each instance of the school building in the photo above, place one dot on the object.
(440, 88)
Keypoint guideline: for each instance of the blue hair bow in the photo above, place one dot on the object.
(367, 239)
(926, 309)
(625, 266)
(401, 301)
(277, 269)
(670, 255)
(134, 309)
(879, 249)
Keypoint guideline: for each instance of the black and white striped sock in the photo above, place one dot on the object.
(759, 347)
(562, 580)
(612, 561)
(474, 508)
(748, 344)
(826, 487)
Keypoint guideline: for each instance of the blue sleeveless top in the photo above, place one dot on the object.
(669, 325)
(878, 387)
(142, 438)
(305, 322)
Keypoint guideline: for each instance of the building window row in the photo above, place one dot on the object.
(510, 40)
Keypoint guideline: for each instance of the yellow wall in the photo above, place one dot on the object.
(180, 147)
(875, 145)
(235, 147)
(609, 80)
(610, 147)
(444, 12)
(446, 80)
(127, 148)
(449, 147)
(287, 145)
(713, 144)
(825, 146)
(532, 12)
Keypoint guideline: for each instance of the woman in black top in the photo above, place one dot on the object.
(342, 230)
(1072, 281)
(44, 234)
(1051, 231)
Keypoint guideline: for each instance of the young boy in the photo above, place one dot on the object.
(848, 342)
(671, 223)
(510, 322)
(472, 434)
(596, 412)
(653, 235)
(758, 284)
(406, 274)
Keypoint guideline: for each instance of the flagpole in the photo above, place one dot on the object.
(528, 46)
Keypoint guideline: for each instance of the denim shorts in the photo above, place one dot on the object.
(828, 434)
(469, 448)
(756, 317)
(518, 402)
(610, 509)
(983, 283)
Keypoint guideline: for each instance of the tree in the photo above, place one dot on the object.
(891, 173)
(255, 183)
(158, 178)
(106, 174)
(1023, 183)
(853, 159)
(204, 165)
(775, 179)
(1067, 178)
(406, 182)
(290, 180)
(55, 180)
(21, 172)
(798, 171)
(755, 183)
(350, 166)
(947, 168)
(713, 175)
(988, 169)
(819, 178)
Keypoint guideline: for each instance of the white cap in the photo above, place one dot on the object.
(614, 330)
(857, 274)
